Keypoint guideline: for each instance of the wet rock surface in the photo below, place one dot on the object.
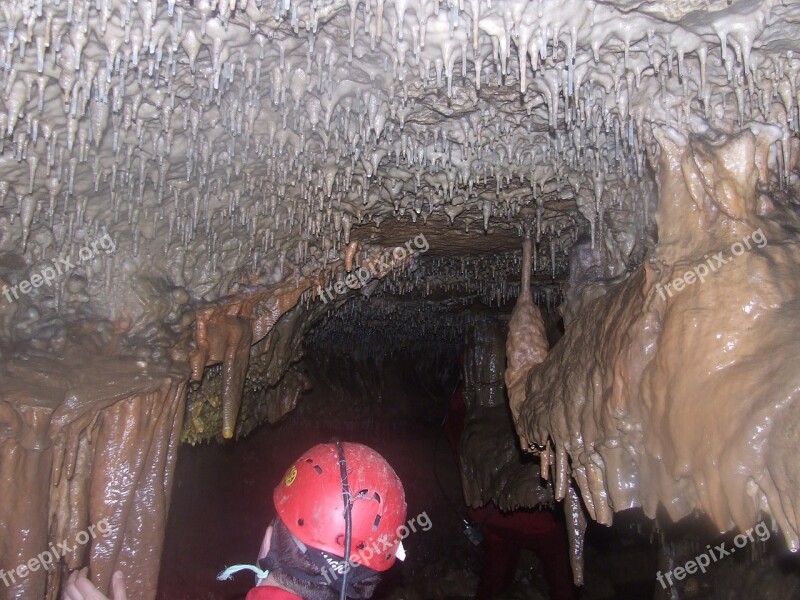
(493, 468)
(181, 182)
(76, 452)
(681, 395)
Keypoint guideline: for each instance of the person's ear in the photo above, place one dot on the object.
(265, 544)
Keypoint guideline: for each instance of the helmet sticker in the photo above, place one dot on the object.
(291, 475)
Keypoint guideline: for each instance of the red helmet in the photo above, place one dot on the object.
(309, 502)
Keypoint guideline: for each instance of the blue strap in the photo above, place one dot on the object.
(228, 573)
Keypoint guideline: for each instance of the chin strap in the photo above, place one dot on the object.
(228, 573)
(332, 569)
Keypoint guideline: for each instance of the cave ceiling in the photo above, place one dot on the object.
(236, 144)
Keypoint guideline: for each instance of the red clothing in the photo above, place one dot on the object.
(268, 592)
(507, 534)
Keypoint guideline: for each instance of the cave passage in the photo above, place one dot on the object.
(544, 255)
(392, 391)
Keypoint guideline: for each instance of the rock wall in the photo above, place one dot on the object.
(89, 433)
(79, 447)
(677, 386)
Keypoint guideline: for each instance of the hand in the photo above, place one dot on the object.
(79, 587)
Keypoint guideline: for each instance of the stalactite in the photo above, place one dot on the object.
(576, 530)
(527, 341)
(631, 392)
(225, 334)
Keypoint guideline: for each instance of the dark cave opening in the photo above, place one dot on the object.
(382, 373)
(374, 392)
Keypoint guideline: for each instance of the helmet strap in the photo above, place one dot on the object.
(335, 572)
(348, 517)
(261, 574)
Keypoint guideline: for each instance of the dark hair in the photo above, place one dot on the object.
(291, 558)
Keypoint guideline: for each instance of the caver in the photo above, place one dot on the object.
(339, 508)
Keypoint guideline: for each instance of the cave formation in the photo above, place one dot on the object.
(191, 190)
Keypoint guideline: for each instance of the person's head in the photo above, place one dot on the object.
(307, 539)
